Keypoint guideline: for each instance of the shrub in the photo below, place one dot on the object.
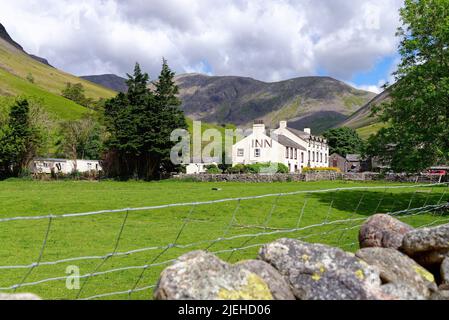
(213, 169)
(258, 168)
(330, 169)
(237, 169)
(30, 77)
(282, 168)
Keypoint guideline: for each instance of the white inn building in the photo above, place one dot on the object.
(294, 148)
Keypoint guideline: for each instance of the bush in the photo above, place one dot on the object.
(258, 168)
(213, 169)
(282, 168)
(237, 169)
(330, 169)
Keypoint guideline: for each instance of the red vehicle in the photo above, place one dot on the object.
(437, 172)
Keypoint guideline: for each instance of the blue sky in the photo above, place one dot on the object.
(379, 74)
(270, 40)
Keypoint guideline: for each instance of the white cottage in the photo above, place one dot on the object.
(64, 166)
(294, 148)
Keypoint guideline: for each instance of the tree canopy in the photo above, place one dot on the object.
(417, 135)
(140, 123)
(344, 141)
(19, 140)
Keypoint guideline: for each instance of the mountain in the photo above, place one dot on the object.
(110, 81)
(362, 120)
(5, 36)
(316, 102)
(16, 69)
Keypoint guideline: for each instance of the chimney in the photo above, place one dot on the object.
(308, 131)
(283, 125)
(259, 126)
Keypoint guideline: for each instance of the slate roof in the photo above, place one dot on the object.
(287, 142)
(304, 135)
(353, 157)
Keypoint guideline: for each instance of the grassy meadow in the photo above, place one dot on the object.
(315, 216)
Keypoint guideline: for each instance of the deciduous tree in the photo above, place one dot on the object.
(417, 135)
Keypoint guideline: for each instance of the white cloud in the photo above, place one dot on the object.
(268, 40)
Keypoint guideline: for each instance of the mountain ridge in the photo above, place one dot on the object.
(314, 101)
(5, 36)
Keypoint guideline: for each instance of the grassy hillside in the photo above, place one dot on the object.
(362, 120)
(55, 105)
(367, 131)
(49, 79)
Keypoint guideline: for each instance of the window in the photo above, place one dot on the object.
(286, 152)
(302, 157)
(321, 157)
(313, 156)
(296, 154)
(240, 152)
(309, 157)
(325, 158)
(257, 153)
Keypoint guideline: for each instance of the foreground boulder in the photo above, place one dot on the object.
(400, 291)
(445, 272)
(199, 275)
(19, 296)
(428, 246)
(279, 287)
(440, 295)
(411, 281)
(319, 272)
(382, 230)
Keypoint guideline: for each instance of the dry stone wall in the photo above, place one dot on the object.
(387, 267)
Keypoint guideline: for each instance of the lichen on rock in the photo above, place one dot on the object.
(397, 268)
(328, 274)
(200, 275)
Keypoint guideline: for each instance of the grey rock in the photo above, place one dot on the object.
(19, 296)
(320, 272)
(279, 287)
(400, 291)
(428, 246)
(397, 268)
(445, 271)
(382, 230)
(440, 295)
(202, 276)
(426, 240)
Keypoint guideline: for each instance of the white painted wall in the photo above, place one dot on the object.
(272, 151)
(64, 166)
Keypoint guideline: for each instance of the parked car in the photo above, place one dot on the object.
(437, 172)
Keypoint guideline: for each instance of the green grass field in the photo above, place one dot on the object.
(315, 217)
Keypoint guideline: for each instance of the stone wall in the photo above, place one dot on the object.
(392, 264)
(316, 176)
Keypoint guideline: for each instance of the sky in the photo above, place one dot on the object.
(269, 40)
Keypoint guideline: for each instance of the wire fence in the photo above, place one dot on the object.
(120, 253)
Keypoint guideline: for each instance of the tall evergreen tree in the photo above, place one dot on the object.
(140, 123)
(171, 116)
(18, 140)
